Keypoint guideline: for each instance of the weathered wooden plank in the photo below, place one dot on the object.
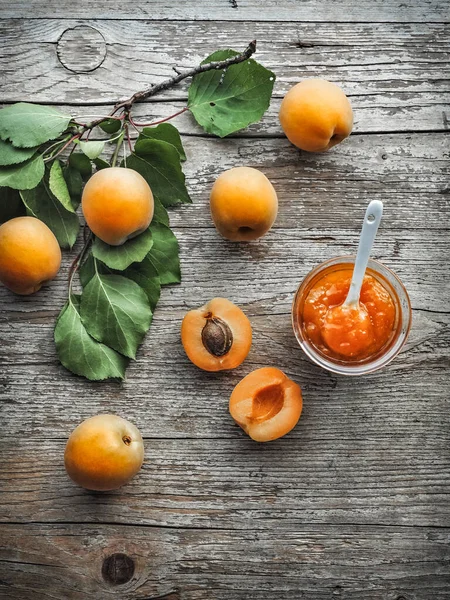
(373, 113)
(310, 563)
(395, 75)
(275, 266)
(359, 474)
(168, 397)
(371, 11)
(321, 195)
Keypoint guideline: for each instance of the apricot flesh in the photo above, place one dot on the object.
(315, 115)
(216, 336)
(29, 255)
(266, 404)
(117, 204)
(104, 452)
(243, 204)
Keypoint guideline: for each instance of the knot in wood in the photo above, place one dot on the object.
(81, 49)
(118, 568)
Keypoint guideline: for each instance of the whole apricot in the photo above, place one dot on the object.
(29, 255)
(266, 404)
(216, 336)
(315, 115)
(117, 204)
(244, 204)
(104, 452)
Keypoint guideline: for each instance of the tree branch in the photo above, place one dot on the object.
(168, 83)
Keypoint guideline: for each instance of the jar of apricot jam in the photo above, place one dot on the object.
(361, 340)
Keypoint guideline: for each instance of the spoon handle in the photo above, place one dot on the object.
(369, 230)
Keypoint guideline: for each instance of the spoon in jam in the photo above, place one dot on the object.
(347, 328)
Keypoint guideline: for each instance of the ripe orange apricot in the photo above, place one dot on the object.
(266, 404)
(244, 204)
(315, 115)
(104, 452)
(29, 255)
(117, 204)
(216, 336)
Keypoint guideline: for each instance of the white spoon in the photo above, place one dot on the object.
(369, 230)
(350, 317)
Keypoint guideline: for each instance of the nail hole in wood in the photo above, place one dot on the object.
(117, 569)
(81, 49)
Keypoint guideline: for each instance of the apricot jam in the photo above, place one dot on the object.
(356, 332)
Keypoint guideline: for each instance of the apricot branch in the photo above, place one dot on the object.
(154, 89)
(168, 83)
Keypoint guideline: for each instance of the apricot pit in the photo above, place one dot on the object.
(216, 336)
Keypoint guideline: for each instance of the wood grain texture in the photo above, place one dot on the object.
(320, 562)
(369, 11)
(353, 503)
(395, 75)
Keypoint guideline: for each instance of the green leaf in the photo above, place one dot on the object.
(111, 125)
(159, 163)
(74, 183)
(92, 149)
(58, 186)
(79, 352)
(115, 311)
(27, 125)
(164, 254)
(41, 204)
(11, 204)
(24, 176)
(120, 257)
(87, 270)
(10, 155)
(167, 133)
(146, 275)
(160, 214)
(101, 164)
(223, 102)
(81, 163)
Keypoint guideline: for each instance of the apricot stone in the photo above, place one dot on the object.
(216, 336)
(244, 204)
(266, 404)
(29, 255)
(117, 204)
(315, 115)
(104, 452)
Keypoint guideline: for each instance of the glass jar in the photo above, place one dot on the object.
(400, 331)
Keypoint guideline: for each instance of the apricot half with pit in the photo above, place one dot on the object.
(216, 336)
(266, 404)
(104, 452)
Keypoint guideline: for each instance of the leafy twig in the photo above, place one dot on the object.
(79, 259)
(168, 83)
(116, 151)
(180, 112)
(164, 85)
(66, 145)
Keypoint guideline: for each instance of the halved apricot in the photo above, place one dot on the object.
(266, 404)
(216, 336)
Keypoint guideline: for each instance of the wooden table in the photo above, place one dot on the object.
(354, 503)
